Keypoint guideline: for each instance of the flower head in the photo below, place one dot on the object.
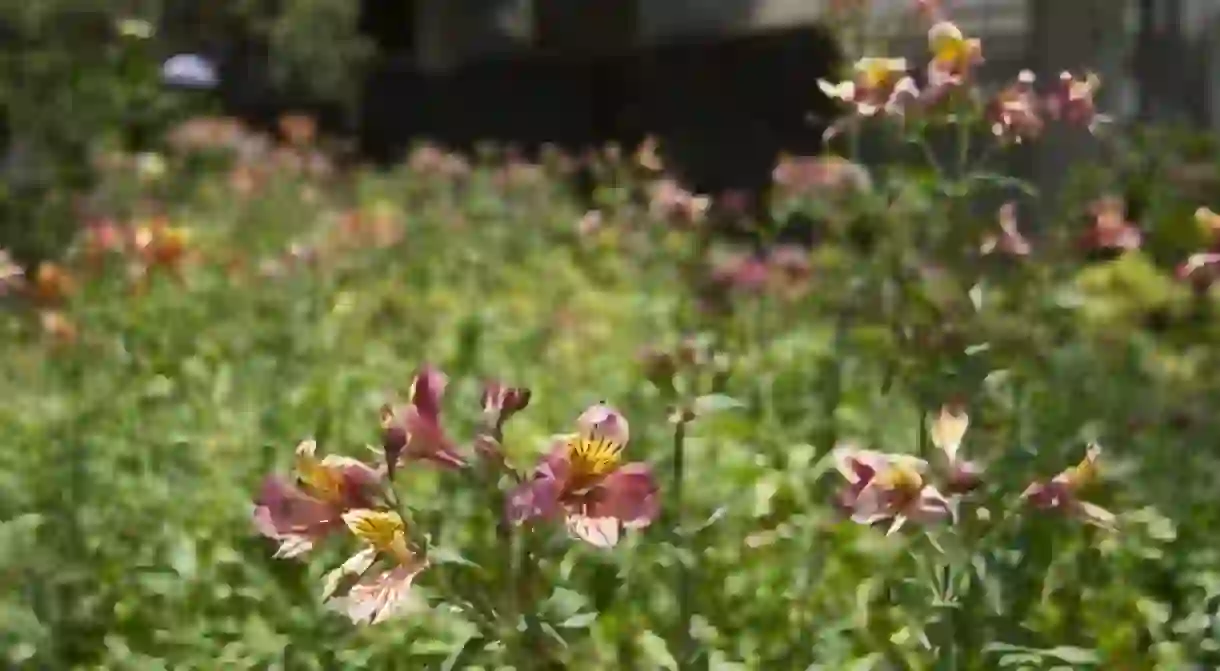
(1074, 101)
(888, 488)
(1062, 493)
(371, 595)
(583, 480)
(52, 284)
(1111, 231)
(947, 431)
(413, 430)
(12, 276)
(953, 55)
(298, 515)
(500, 402)
(1015, 113)
(1009, 240)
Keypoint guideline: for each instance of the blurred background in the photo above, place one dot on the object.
(231, 226)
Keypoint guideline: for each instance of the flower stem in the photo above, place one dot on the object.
(682, 644)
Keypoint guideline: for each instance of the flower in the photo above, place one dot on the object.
(1074, 101)
(12, 276)
(160, 244)
(300, 515)
(887, 487)
(1015, 113)
(1009, 240)
(947, 430)
(953, 55)
(1111, 230)
(584, 481)
(413, 430)
(1062, 492)
(500, 402)
(52, 283)
(870, 88)
(371, 596)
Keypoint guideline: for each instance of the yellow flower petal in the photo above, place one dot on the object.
(383, 530)
(592, 456)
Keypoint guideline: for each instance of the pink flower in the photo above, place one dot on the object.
(1015, 112)
(1009, 241)
(1074, 101)
(1061, 493)
(300, 515)
(584, 481)
(887, 488)
(1111, 230)
(947, 431)
(413, 430)
(500, 402)
(369, 595)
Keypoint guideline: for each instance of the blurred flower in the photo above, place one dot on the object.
(671, 202)
(135, 28)
(12, 276)
(741, 271)
(413, 431)
(1074, 101)
(189, 71)
(1111, 230)
(500, 402)
(590, 223)
(431, 160)
(1062, 492)
(1202, 269)
(953, 55)
(1208, 222)
(300, 515)
(365, 595)
(870, 87)
(299, 130)
(647, 156)
(208, 133)
(58, 327)
(52, 284)
(150, 166)
(161, 245)
(947, 430)
(584, 480)
(819, 175)
(887, 488)
(1009, 241)
(101, 238)
(1014, 113)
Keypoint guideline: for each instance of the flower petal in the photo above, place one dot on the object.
(427, 389)
(356, 566)
(282, 511)
(380, 597)
(629, 494)
(602, 532)
(947, 431)
(603, 421)
(538, 498)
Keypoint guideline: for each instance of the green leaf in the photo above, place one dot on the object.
(711, 404)
(656, 652)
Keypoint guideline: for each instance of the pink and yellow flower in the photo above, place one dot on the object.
(374, 585)
(413, 431)
(888, 488)
(584, 481)
(299, 515)
(1062, 493)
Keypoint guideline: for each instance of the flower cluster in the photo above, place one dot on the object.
(882, 86)
(894, 489)
(582, 482)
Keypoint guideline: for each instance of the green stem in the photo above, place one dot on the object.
(682, 584)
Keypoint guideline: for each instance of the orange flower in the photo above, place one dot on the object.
(52, 284)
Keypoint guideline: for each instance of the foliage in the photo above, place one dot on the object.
(242, 297)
